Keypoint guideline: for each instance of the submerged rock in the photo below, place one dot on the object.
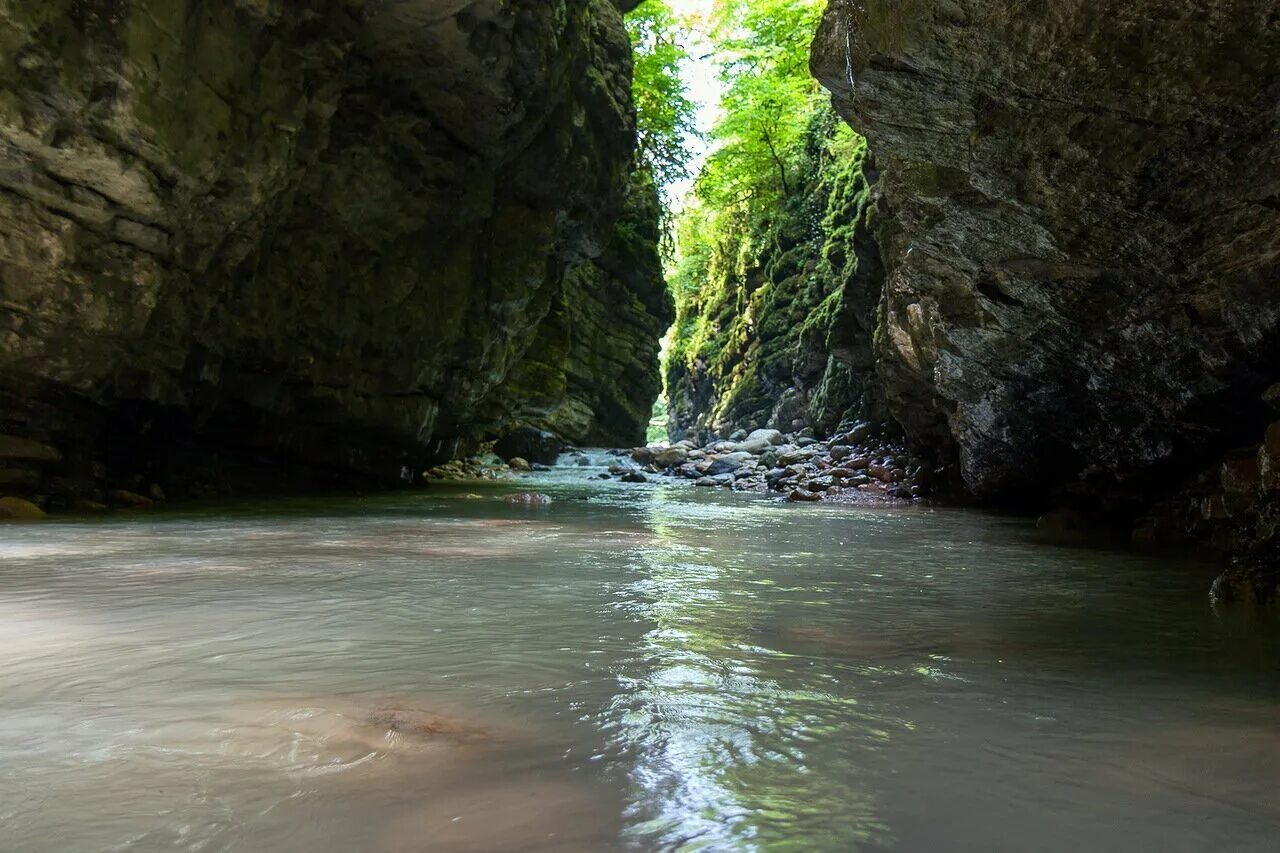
(527, 499)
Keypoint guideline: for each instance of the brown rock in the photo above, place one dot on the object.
(519, 463)
(644, 455)
(671, 457)
(19, 509)
(1269, 459)
(126, 498)
(802, 496)
(14, 447)
(1060, 521)
(1240, 476)
(881, 473)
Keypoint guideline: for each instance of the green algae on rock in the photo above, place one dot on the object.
(264, 243)
(774, 327)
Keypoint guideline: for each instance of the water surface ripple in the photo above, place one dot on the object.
(632, 667)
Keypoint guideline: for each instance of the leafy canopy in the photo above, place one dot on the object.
(665, 114)
(762, 48)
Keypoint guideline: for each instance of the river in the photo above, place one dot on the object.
(632, 667)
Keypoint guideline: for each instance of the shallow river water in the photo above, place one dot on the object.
(631, 667)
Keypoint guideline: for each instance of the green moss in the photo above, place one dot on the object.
(781, 300)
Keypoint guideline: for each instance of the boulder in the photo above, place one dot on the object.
(20, 509)
(771, 436)
(1269, 459)
(126, 498)
(533, 445)
(729, 463)
(754, 446)
(671, 457)
(16, 447)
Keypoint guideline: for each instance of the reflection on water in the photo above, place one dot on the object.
(649, 667)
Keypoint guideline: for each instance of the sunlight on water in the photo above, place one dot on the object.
(653, 666)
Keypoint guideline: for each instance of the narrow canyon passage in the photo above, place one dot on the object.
(649, 667)
(582, 425)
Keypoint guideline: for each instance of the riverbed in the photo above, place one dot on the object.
(634, 666)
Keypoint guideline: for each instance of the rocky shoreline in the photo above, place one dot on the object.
(859, 463)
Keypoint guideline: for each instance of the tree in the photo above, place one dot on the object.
(665, 115)
(762, 47)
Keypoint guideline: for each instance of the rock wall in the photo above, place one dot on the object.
(778, 332)
(256, 239)
(590, 376)
(1081, 235)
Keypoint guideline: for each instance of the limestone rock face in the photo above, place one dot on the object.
(309, 236)
(779, 333)
(591, 376)
(1082, 229)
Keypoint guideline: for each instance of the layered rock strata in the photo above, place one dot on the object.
(1081, 236)
(258, 241)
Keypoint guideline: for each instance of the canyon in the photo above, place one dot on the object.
(254, 246)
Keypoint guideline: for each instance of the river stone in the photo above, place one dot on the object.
(19, 477)
(793, 457)
(527, 499)
(15, 447)
(754, 446)
(671, 457)
(126, 498)
(772, 436)
(803, 496)
(20, 509)
(729, 463)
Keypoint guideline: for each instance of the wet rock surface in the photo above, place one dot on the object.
(1081, 242)
(797, 466)
(323, 245)
(1078, 224)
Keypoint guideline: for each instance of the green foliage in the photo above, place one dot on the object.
(768, 292)
(762, 47)
(665, 115)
